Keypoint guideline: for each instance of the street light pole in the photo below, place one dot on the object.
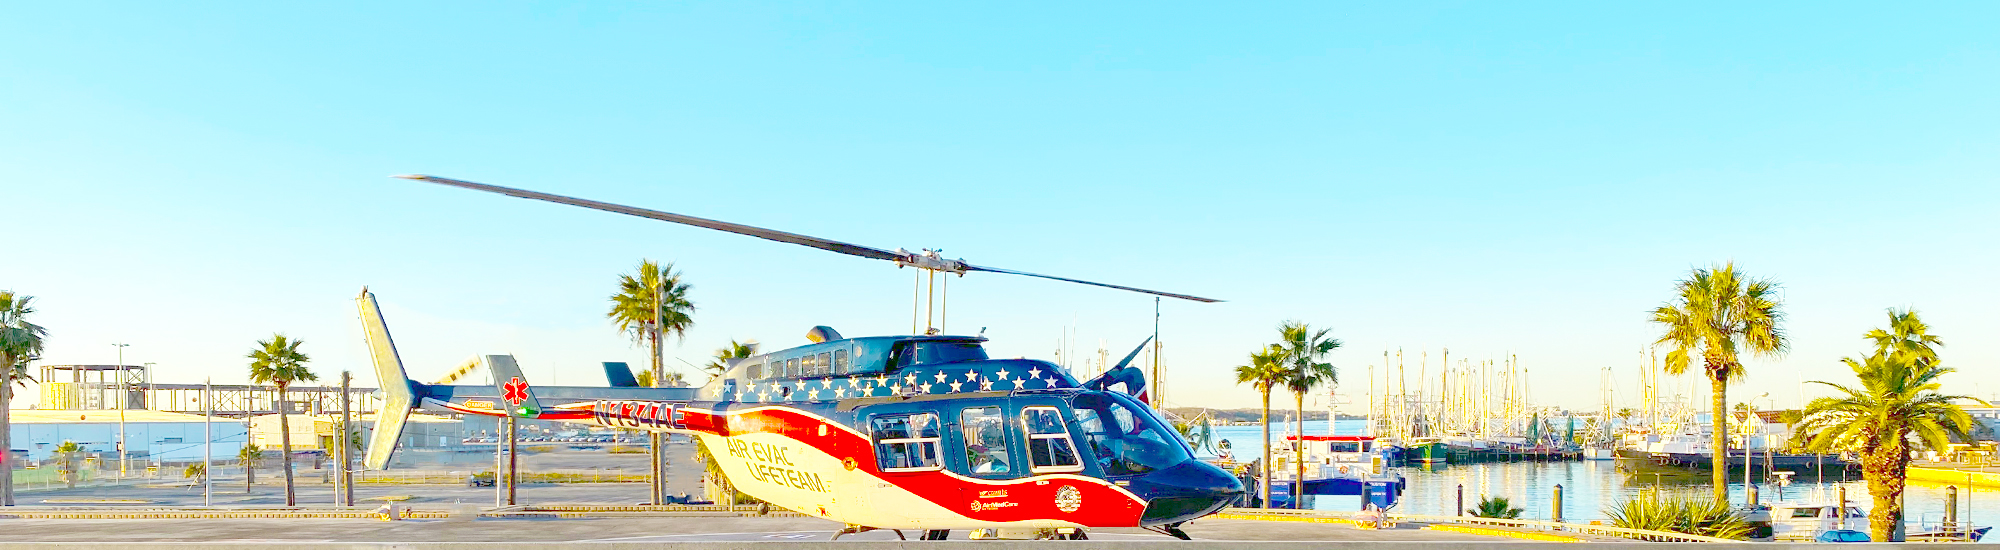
(654, 442)
(208, 446)
(123, 464)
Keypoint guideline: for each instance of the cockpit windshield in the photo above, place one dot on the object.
(1125, 437)
(934, 353)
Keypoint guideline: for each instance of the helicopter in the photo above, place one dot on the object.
(920, 432)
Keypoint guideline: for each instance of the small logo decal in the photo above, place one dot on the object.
(847, 463)
(1068, 499)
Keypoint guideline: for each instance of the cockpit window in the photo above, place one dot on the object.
(933, 353)
(1126, 438)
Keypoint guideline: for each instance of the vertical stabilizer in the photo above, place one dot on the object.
(513, 385)
(398, 393)
(619, 375)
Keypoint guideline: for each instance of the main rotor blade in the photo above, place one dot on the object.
(921, 261)
(737, 228)
(970, 267)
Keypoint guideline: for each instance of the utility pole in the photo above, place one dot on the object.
(208, 448)
(653, 440)
(346, 442)
(512, 459)
(123, 464)
(1159, 386)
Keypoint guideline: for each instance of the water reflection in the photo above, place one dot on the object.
(1589, 487)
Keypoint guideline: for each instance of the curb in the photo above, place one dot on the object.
(1541, 537)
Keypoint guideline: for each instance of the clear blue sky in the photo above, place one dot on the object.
(1496, 178)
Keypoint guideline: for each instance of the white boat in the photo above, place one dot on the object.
(1804, 521)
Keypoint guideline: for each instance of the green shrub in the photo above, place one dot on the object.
(1695, 516)
(1495, 507)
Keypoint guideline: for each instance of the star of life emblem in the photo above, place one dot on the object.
(515, 391)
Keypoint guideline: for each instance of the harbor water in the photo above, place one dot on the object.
(1592, 486)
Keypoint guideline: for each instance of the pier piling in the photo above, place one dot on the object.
(1556, 511)
(1950, 506)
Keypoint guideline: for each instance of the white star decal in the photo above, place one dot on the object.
(940, 376)
(1003, 374)
(840, 393)
(881, 379)
(1035, 372)
(972, 376)
(895, 389)
(1049, 382)
(813, 394)
(986, 386)
(911, 379)
(955, 385)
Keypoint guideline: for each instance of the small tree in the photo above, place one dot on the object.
(196, 471)
(67, 456)
(1304, 348)
(249, 455)
(1495, 507)
(735, 350)
(277, 361)
(651, 305)
(1266, 370)
(1716, 316)
(20, 342)
(1897, 410)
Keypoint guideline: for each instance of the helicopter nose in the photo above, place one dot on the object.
(1187, 491)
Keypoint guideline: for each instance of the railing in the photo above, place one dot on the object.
(560, 475)
(1528, 524)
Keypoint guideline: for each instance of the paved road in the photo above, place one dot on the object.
(683, 477)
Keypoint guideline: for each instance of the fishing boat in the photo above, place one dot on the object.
(1336, 465)
(1427, 450)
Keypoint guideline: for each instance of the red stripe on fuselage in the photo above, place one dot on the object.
(997, 500)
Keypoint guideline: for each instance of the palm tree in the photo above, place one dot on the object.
(1495, 507)
(735, 350)
(195, 471)
(1719, 313)
(277, 361)
(20, 342)
(67, 457)
(652, 305)
(649, 306)
(1895, 412)
(1304, 348)
(1266, 370)
(1907, 336)
(249, 455)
